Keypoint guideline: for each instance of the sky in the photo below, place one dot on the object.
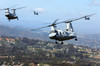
(50, 10)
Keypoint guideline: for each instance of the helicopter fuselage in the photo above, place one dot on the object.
(62, 35)
(11, 16)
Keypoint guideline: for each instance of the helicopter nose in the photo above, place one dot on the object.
(52, 35)
(7, 15)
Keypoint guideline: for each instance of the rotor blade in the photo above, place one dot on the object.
(68, 21)
(55, 21)
(46, 26)
(83, 17)
(40, 28)
(8, 7)
(19, 8)
(4, 9)
(60, 22)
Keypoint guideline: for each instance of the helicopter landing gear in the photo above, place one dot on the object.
(17, 18)
(62, 43)
(56, 42)
(75, 39)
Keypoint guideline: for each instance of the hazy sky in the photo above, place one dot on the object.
(54, 9)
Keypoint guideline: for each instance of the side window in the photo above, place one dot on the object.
(60, 33)
(57, 32)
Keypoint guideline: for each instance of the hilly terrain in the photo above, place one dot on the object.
(91, 40)
(22, 32)
(24, 52)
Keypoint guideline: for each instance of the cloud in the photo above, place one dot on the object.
(40, 9)
(95, 3)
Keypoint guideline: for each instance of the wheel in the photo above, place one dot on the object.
(17, 18)
(62, 43)
(76, 39)
(56, 42)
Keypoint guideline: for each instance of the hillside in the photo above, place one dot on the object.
(14, 51)
(92, 40)
(21, 32)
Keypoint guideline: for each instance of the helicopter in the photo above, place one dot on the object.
(9, 15)
(67, 34)
(36, 13)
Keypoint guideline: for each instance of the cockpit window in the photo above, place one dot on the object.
(60, 33)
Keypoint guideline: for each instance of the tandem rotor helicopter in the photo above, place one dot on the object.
(11, 15)
(67, 34)
(36, 13)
